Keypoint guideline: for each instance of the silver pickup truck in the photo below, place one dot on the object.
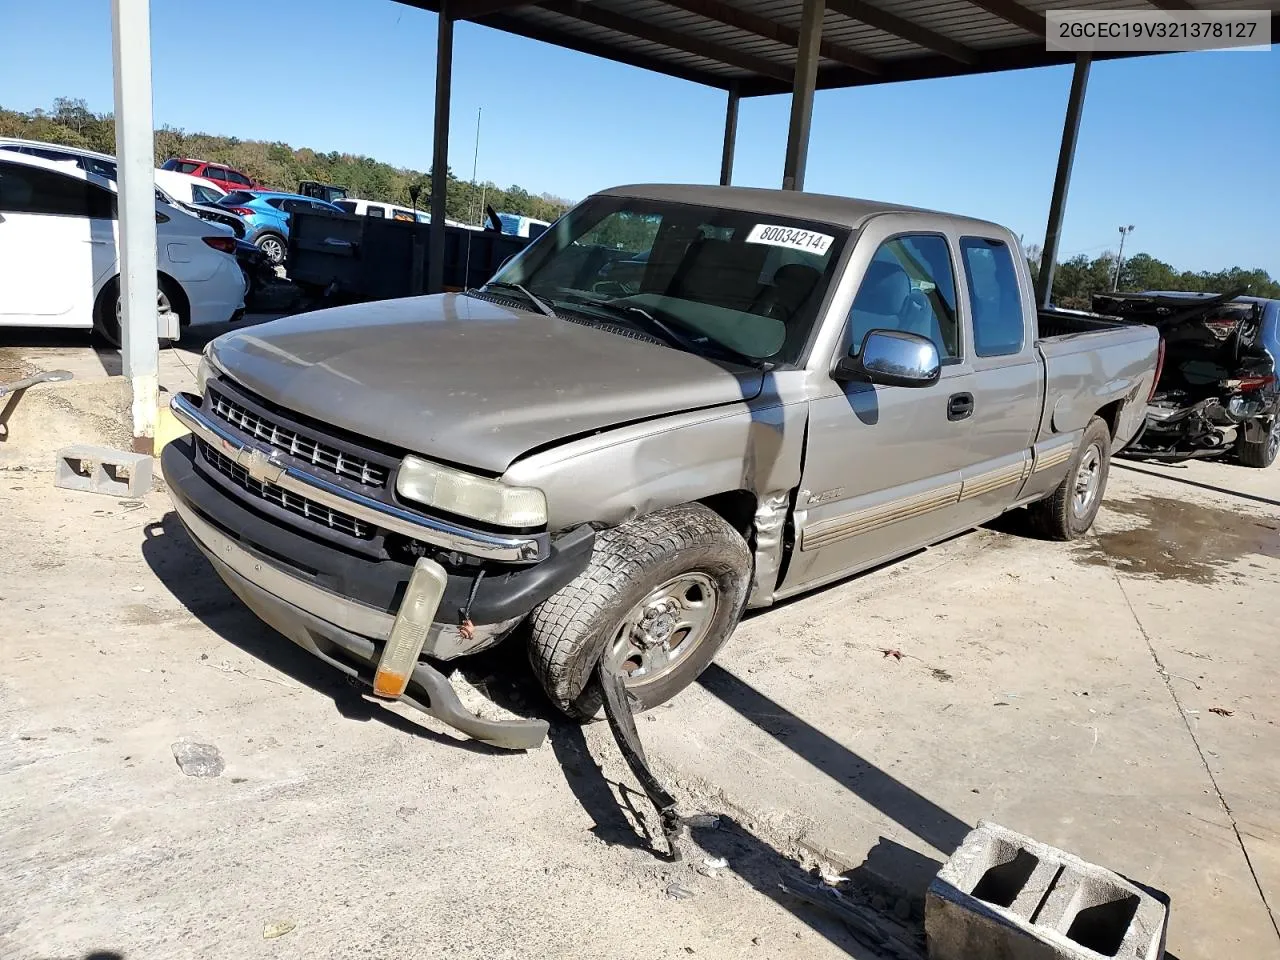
(678, 403)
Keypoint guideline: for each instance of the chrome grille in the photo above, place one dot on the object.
(317, 452)
(315, 512)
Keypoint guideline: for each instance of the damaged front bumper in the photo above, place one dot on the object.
(341, 607)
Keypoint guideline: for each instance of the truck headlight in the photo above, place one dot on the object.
(204, 373)
(468, 495)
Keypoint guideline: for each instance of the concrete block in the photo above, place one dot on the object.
(1005, 896)
(103, 470)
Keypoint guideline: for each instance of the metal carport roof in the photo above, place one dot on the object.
(752, 45)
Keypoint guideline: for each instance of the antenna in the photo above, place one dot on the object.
(475, 166)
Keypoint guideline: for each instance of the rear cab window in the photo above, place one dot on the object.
(995, 301)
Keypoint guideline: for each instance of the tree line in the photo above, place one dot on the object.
(1077, 279)
(279, 165)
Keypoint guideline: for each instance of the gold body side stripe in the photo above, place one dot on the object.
(985, 483)
(1046, 460)
(873, 518)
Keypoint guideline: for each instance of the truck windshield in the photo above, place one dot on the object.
(729, 283)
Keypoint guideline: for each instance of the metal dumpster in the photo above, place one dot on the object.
(357, 258)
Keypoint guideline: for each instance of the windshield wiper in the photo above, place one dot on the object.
(542, 307)
(673, 336)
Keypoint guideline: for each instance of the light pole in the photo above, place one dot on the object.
(1124, 232)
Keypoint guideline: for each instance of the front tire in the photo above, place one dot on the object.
(1069, 512)
(659, 598)
(1261, 453)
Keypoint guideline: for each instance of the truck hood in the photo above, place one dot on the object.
(463, 380)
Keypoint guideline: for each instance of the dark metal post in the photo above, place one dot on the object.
(802, 87)
(1062, 180)
(440, 149)
(730, 136)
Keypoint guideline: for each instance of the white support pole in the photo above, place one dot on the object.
(135, 162)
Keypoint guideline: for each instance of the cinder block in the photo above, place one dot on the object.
(1005, 896)
(103, 470)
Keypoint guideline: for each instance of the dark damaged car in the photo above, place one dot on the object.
(1217, 391)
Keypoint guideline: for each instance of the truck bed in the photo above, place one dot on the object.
(1086, 357)
(1054, 323)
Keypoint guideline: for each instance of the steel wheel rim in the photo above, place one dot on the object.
(163, 307)
(1273, 439)
(271, 247)
(1088, 476)
(662, 630)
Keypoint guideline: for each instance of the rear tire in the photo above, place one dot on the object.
(273, 245)
(1260, 454)
(106, 323)
(660, 596)
(106, 309)
(1069, 512)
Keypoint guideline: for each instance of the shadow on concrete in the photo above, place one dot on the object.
(624, 817)
(181, 567)
(893, 798)
(1226, 491)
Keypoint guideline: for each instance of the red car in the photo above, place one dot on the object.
(225, 177)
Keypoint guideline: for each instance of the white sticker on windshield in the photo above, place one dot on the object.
(790, 237)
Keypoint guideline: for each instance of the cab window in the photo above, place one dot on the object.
(910, 286)
(994, 299)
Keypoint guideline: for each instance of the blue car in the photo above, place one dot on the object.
(266, 217)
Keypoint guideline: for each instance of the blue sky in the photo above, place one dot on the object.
(357, 76)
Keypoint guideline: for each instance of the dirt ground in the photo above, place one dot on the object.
(1117, 697)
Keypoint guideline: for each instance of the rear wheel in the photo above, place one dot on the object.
(108, 311)
(273, 246)
(658, 600)
(1262, 452)
(1069, 512)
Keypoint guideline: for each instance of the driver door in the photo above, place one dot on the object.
(882, 467)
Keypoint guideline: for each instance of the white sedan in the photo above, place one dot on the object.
(60, 261)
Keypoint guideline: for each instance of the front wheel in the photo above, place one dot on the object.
(1260, 453)
(273, 246)
(1069, 512)
(659, 598)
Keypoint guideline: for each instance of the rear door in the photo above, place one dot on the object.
(1007, 378)
(883, 465)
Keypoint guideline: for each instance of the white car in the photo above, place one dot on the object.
(188, 189)
(59, 254)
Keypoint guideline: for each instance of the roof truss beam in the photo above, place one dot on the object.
(750, 22)
(913, 32)
(644, 30)
(605, 51)
(1013, 12)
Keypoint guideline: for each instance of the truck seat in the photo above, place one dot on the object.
(881, 301)
(720, 272)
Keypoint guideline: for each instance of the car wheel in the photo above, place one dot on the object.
(1069, 512)
(659, 598)
(108, 312)
(1260, 453)
(273, 246)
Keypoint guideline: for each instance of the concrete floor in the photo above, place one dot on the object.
(1066, 691)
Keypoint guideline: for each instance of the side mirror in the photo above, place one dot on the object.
(892, 358)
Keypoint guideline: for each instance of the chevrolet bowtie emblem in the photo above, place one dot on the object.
(259, 465)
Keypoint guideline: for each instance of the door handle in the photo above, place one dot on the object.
(959, 406)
